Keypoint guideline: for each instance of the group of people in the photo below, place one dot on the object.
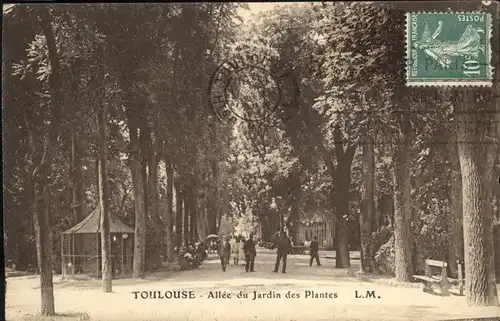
(284, 245)
(244, 247)
(191, 256)
(238, 248)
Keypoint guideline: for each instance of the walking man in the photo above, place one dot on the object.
(313, 251)
(224, 252)
(284, 248)
(250, 253)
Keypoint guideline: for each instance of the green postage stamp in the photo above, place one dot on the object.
(448, 49)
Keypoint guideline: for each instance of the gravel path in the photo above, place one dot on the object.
(303, 293)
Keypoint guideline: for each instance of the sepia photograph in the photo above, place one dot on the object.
(261, 161)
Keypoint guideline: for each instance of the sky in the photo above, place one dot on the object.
(7, 6)
(257, 7)
(254, 8)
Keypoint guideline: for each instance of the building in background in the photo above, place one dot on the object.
(324, 229)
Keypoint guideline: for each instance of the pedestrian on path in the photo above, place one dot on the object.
(241, 252)
(250, 253)
(313, 251)
(234, 250)
(224, 252)
(284, 248)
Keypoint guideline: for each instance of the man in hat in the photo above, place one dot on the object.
(234, 249)
(224, 252)
(284, 248)
(313, 251)
(250, 253)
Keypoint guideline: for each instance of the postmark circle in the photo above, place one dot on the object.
(246, 87)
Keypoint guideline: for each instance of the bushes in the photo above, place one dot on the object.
(430, 234)
(383, 245)
(430, 239)
(385, 258)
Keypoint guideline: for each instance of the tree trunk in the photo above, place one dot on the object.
(193, 212)
(496, 216)
(476, 154)
(103, 181)
(367, 207)
(496, 246)
(76, 152)
(203, 220)
(154, 228)
(376, 223)
(455, 236)
(402, 219)
(213, 201)
(42, 173)
(212, 215)
(402, 202)
(43, 248)
(187, 210)
(223, 204)
(343, 180)
(153, 180)
(144, 148)
(76, 165)
(18, 240)
(140, 223)
(178, 215)
(149, 255)
(478, 233)
(496, 227)
(489, 228)
(294, 219)
(104, 223)
(342, 259)
(169, 213)
(140, 215)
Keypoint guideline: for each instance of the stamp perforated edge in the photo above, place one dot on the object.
(451, 82)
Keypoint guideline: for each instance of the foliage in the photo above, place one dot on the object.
(385, 257)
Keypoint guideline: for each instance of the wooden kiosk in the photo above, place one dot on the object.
(81, 247)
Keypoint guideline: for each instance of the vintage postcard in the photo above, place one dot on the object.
(278, 161)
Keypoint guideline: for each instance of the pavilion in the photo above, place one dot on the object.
(81, 247)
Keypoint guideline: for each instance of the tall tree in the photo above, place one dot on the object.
(367, 216)
(42, 172)
(402, 201)
(476, 154)
(77, 175)
(104, 200)
(140, 214)
(356, 34)
(455, 237)
(186, 219)
(169, 214)
(179, 207)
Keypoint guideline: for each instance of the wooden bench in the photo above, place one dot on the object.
(443, 281)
